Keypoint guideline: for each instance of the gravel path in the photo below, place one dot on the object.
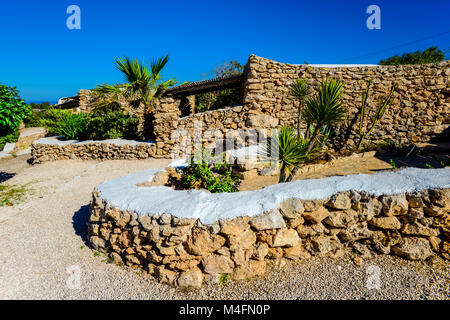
(43, 248)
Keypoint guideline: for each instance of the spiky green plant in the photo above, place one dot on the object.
(144, 83)
(381, 109)
(300, 91)
(324, 108)
(288, 149)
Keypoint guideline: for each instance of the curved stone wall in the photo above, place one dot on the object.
(204, 237)
(51, 149)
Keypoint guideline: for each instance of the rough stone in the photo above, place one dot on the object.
(271, 220)
(413, 248)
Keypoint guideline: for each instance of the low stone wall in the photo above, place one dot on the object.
(186, 252)
(50, 149)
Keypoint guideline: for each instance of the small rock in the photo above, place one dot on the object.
(413, 248)
(316, 216)
(286, 238)
(390, 223)
(339, 201)
(191, 279)
(271, 220)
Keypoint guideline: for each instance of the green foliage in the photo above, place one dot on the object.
(216, 100)
(299, 91)
(223, 279)
(382, 105)
(10, 195)
(215, 177)
(289, 149)
(228, 69)
(144, 83)
(393, 164)
(113, 125)
(223, 98)
(74, 126)
(51, 119)
(13, 110)
(40, 106)
(430, 55)
(324, 108)
(9, 138)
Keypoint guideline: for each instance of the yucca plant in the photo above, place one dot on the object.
(381, 109)
(288, 149)
(144, 83)
(300, 91)
(324, 108)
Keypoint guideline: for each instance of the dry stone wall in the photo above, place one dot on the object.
(420, 112)
(184, 252)
(91, 150)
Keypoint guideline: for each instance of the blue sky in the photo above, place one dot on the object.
(47, 61)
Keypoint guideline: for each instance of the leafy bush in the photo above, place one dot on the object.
(74, 126)
(13, 110)
(430, 55)
(215, 177)
(113, 125)
(9, 138)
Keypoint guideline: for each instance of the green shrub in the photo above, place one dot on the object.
(430, 55)
(74, 126)
(9, 138)
(13, 110)
(216, 178)
(52, 119)
(113, 125)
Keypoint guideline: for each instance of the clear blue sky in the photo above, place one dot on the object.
(46, 61)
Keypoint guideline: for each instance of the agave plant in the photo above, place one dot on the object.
(382, 105)
(300, 91)
(144, 83)
(324, 109)
(288, 149)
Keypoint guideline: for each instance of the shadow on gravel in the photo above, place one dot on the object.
(79, 221)
(4, 176)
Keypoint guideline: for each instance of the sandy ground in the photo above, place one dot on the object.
(44, 253)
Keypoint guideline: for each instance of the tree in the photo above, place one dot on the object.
(143, 83)
(13, 109)
(430, 55)
(228, 69)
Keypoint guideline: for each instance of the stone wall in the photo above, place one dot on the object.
(421, 109)
(44, 150)
(185, 252)
(420, 112)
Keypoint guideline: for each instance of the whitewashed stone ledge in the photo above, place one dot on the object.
(209, 208)
(52, 149)
(186, 238)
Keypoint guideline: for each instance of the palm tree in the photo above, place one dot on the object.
(300, 91)
(325, 108)
(143, 83)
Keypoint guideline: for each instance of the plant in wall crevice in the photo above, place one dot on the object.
(383, 103)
